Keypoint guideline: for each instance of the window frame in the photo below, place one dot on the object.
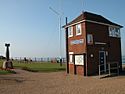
(71, 57)
(78, 29)
(114, 32)
(70, 31)
(89, 41)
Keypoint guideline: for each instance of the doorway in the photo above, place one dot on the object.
(102, 60)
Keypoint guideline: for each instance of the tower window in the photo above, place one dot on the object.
(70, 31)
(89, 39)
(78, 29)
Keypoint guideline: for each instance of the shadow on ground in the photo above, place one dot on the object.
(11, 80)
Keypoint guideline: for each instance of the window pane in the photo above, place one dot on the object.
(78, 29)
(110, 31)
(89, 39)
(71, 58)
(70, 31)
(114, 32)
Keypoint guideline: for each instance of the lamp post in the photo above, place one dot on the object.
(59, 15)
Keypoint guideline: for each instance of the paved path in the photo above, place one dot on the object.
(59, 83)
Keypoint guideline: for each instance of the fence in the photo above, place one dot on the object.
(35, 59)
(111, 68)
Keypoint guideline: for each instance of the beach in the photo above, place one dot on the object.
(25, 82)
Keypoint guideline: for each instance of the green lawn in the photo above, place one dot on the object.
(6, 72)
(38, 67)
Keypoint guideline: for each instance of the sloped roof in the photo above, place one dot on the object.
(92, 17)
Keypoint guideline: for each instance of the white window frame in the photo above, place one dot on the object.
(70, 31)
(71, 57)
(88, 40)
(117, 33)
(78, 27)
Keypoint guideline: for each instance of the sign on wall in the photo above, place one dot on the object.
(79, 60)
(80, 41)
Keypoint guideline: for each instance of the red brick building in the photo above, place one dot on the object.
(92, 40)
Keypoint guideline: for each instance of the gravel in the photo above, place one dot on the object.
(25, 82)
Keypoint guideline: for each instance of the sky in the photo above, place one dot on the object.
(32, 28)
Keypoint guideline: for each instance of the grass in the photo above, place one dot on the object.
(38, 67)
(6, 72)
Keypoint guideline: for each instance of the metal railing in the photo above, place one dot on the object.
(112, 68)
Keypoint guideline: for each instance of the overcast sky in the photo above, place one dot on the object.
(32, 28)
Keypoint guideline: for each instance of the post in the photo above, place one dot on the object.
(67, 55)
(57, 13)
(35, 60)
(109, 69)
(99, 71)
(84, 65)
(41, 60)
(60, 61)
(118, 68)
(20, 60)
(60, 40)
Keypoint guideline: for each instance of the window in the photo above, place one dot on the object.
(89, 39)
(70, 58)
(78, 29)
(70, 31)
(114, 32)
(117, 32)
